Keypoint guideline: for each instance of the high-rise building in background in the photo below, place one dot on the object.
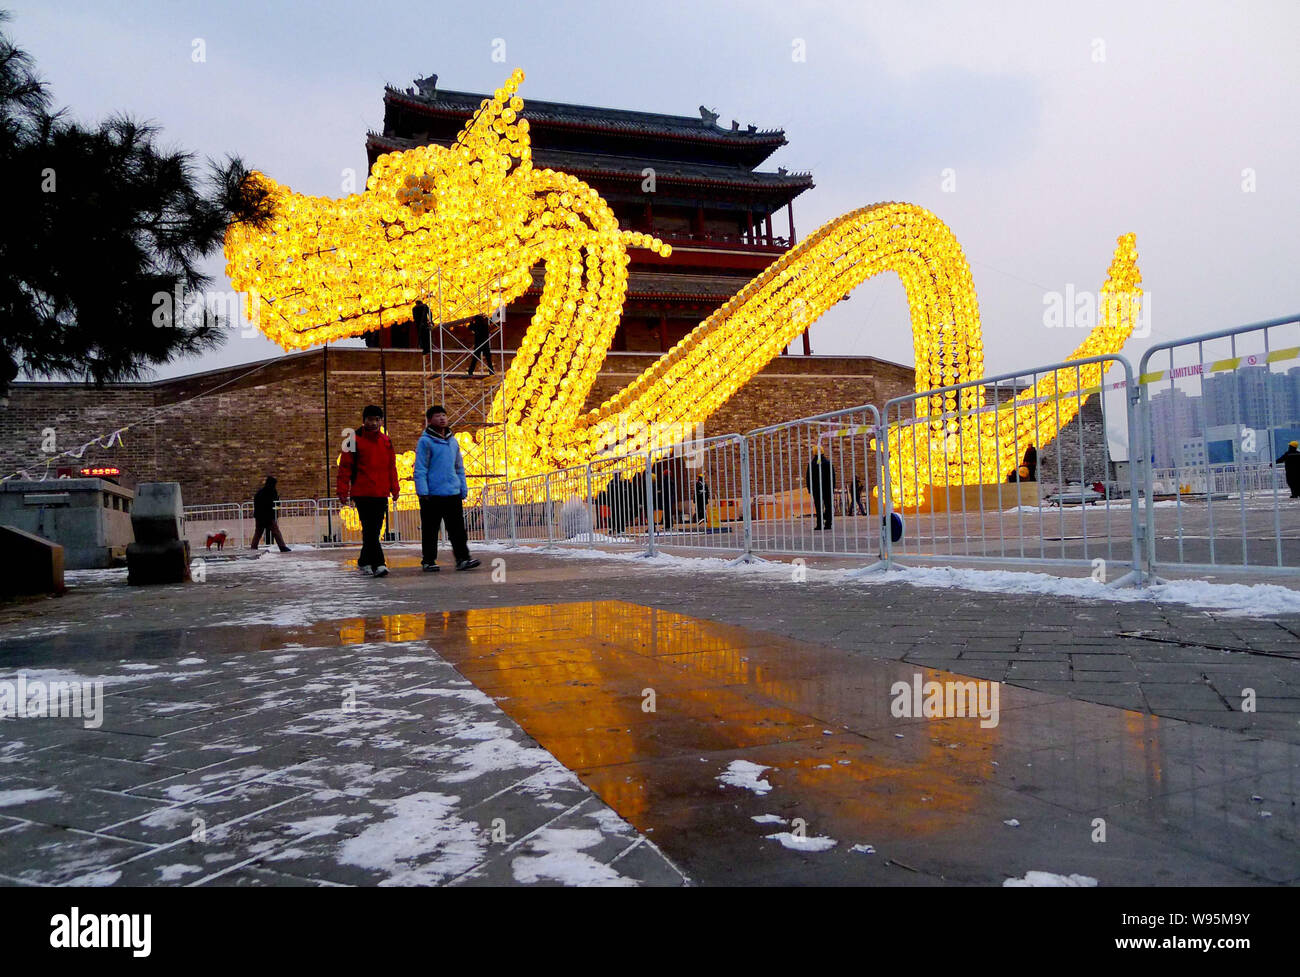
(1252, 396)
(1175, 418)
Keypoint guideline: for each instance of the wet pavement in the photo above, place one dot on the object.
(323, 727)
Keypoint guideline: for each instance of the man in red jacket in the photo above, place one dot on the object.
(368, 476)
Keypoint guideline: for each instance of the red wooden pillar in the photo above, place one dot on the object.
(789, 213)
(663, 333)
(749, 226)
(769, 228)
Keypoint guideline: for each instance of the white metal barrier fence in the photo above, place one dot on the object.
(967, 466)
(699, 494)
(204, 526)
(620, 500)
(814, 484)
(951, 468)
(1219, 412)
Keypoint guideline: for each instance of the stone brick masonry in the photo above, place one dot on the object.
(220, 433)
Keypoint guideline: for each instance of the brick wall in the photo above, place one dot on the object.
(220, 433)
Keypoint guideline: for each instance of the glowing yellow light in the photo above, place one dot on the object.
(470, 221)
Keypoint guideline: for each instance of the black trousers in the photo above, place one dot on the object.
(824, 509)
(372, 513)
(481, 355)
(434, 511)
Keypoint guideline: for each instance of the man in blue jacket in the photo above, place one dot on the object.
(440, 484)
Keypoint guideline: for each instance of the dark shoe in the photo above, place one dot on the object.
(430, 567)
(285, 549)
(817, 528)
(381, 571)
(467, 564)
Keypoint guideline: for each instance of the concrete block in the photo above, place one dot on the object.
(89, 517)
(159, 513)
(29, 564)
(160, 553)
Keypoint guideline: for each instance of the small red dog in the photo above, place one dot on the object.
(219, 538)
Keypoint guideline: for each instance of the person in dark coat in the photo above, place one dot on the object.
(701, 498)
(669, 476)
(422, 321)
(264, 520)
(858, 490)
(618, 495)
(481, 327)
(820, 479)
(1030, 461)
(1290, 459)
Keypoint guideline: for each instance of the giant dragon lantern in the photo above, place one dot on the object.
(477, 216)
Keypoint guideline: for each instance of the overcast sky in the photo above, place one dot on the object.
(1064, 125)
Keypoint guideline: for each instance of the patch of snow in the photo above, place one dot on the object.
(803, 843)
(422, 842)
(12, 798)
(559, 855)
(742, 773)
(1050, 880)
(1238, 600)
(172, 873)
(769, 819)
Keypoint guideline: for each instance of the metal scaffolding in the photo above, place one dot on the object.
(447, 365)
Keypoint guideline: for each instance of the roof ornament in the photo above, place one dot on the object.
(710, 118)
(783, 171)
(428, 87)
(751, 129)
(735, 126)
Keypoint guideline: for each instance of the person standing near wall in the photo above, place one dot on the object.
(820, 479)
(441, 485)
(368, 476)
(701, 498)
(264, 520)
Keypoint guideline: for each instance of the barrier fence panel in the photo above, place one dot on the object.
(813, 484)
(530, 509)
(203, 523)
(618, 486)
(570, 511)
(494, 505)
(1219, 412)
(700, 495)
(296, 519)
(973, 482)
(333, 530)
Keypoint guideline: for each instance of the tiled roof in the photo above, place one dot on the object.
(593, 116)
(632, 167)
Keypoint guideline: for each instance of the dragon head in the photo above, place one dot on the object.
(463, 224)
